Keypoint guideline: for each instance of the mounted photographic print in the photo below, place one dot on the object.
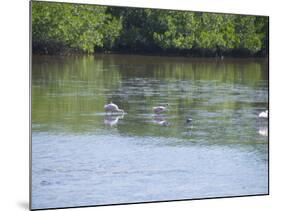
(133, 105)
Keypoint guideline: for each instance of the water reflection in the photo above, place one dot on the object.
(223, 151)
(112, 120)
(188, 129)
(160, 120)
(263, 131)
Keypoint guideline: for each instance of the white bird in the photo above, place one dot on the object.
(111, 107)
(160, 109)
(263, 114)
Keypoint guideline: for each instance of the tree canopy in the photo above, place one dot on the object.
(63, 27)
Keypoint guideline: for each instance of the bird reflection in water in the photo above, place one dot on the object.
(188, 126)
(263, 131)
(112, 120)
(160, 120)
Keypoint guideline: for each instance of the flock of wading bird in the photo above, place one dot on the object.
(112, 108)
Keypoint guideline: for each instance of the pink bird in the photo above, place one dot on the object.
(111, 107)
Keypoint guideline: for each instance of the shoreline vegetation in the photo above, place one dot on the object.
(69, 29)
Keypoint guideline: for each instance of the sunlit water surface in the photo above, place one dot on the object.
(81, 156)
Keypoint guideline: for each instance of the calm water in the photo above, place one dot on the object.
(81, 156)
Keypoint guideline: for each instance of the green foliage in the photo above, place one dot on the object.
(82, 27)
(87, 28)
(175, 30)
(247, 33)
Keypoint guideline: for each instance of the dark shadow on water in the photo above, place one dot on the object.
(24, 205)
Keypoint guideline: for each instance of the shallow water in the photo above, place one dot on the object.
(82, 156)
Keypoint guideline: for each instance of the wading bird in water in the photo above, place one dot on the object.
(160, 109)
(263, 114)
(112, 108)
(188, 120)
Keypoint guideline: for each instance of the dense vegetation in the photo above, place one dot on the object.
(68, 28)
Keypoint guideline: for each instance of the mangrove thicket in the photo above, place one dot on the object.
(63, 28)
